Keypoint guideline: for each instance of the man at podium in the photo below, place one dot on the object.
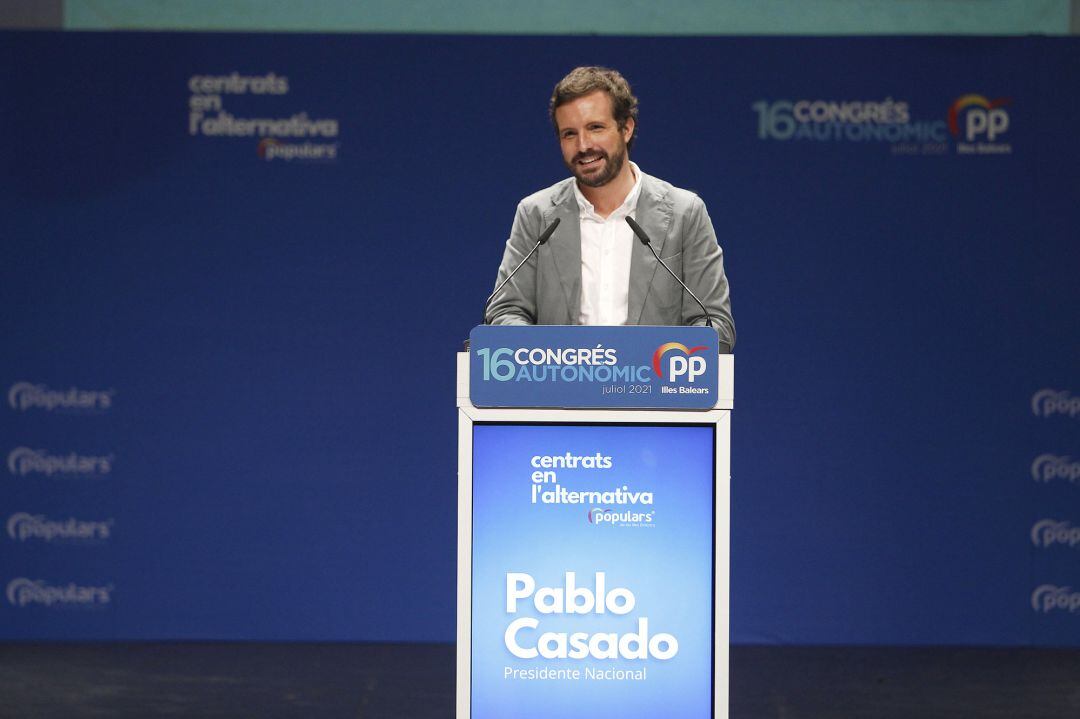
(597, 267)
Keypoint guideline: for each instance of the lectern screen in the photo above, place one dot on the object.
(592, 592)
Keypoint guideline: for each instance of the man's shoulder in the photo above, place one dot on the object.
(656, 189)
(553, 195)
(664, 191)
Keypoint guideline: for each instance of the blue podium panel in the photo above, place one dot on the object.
(593, 571)
(601, 367)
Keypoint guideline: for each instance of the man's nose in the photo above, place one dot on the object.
(583, 142)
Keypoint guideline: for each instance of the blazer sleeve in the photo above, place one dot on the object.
(703, 272)
(515, 304)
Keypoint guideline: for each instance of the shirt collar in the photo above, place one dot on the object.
(586, 209)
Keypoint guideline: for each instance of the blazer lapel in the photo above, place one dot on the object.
(653, 213)
(565, 247)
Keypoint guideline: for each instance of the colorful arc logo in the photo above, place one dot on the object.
(265, 143)
(667, 347)
(967, 101)
(593, 512)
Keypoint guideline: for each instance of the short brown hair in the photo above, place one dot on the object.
(582, 81)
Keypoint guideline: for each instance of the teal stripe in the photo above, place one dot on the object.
(561, 17)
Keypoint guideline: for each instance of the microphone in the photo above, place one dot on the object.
(648, 243)
(543, 238)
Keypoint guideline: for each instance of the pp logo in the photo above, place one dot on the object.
(679, 365)
(983, 119)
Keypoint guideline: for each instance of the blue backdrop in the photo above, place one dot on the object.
(237, 268)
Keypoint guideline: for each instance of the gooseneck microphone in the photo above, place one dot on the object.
(648, 243)
(544, 236)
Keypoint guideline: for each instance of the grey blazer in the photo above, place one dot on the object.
(547, 290)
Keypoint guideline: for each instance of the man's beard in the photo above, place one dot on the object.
(613, 165)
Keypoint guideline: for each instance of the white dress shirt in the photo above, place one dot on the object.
(606, 245)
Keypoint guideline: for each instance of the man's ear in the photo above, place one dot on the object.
(628, 129)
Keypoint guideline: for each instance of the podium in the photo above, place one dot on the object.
(593, 523)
